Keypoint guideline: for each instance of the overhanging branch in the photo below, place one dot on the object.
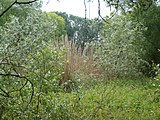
(99, 11)
(29, 2)
(18, 3)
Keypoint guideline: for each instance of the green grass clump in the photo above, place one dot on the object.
(111, 100)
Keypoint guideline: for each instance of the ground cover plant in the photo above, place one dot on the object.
(116, 99)
(120, 99)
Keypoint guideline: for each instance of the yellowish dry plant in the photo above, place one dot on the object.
(79, 62)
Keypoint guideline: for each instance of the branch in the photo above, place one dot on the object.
(7, 9)
(18, 76)
(29, 2)
(6, 93)
(20, 90)
(32, 94)
(99, 11)
(16, 2)
(113, 15)
(13, 75)
(85, 9)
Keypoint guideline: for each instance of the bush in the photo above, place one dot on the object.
(29, 67)
(120, 52)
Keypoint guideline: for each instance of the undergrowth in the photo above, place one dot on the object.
(111, 100)
(93, 98)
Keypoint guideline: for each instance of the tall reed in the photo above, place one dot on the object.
(78, 61)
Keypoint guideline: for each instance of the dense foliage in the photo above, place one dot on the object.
(59, 24)
(30, 67)
(150, 20)
(120, 52)
(81, 30)
(42, 80)
(20, 11)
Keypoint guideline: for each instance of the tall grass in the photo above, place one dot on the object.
(111, 100)
(78, 61)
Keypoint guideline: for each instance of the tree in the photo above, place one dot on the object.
(30, 68)
(59, 24)
(81, 30)
(150, 20)
(18, 8)
(124, 5)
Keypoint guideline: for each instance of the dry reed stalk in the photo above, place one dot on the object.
(79, 63)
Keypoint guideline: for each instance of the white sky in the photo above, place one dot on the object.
(75, 7)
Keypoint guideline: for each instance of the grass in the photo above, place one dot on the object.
(111, 100)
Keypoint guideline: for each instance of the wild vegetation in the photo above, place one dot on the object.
(55, 66)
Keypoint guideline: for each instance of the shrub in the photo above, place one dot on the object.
(29, 67)
(120, 52)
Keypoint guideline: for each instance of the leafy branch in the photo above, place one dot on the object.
(18, 3)
(6, 94)
(22, 77)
